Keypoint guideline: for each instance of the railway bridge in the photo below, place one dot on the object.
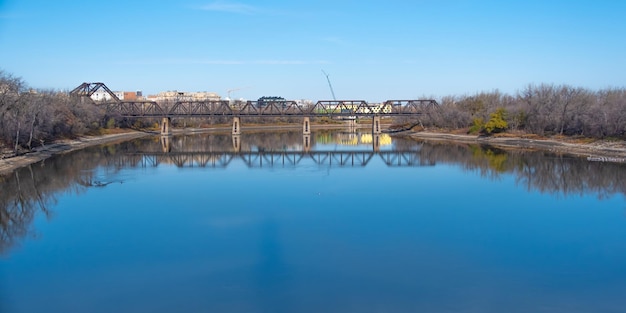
(345, 109)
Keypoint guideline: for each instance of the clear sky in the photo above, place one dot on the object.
(372, 50)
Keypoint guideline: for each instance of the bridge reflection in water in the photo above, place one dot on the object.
(260, 159)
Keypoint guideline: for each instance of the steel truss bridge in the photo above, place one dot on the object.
(283, 159)
(266, 108)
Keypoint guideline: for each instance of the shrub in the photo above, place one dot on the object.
(497, 122)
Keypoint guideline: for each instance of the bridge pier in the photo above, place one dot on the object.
(236, 125)
(306, 126)
(352, 124)
(376, 125)
(166, 127)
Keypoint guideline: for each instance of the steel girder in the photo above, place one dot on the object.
(88, 89)
(277, 108)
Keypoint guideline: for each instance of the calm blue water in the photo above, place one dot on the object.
(452, 228)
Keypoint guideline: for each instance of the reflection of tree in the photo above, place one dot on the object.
(536, 170)
(20, 199)
(32, 189)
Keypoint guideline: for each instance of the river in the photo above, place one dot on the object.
(334, 222)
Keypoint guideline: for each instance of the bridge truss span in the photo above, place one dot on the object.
(268, 108)
(136, 108)
(333, 108)
(274, 107)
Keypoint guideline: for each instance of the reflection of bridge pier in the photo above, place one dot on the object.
(306, 143)
(165, 144)
(237, 143)
(376, 142)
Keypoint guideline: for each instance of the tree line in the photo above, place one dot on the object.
(544, 109)
(29, 117)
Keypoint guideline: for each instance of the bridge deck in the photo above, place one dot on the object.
(339, 108)
(276, 108)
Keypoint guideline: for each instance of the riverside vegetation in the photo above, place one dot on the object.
(34, 117)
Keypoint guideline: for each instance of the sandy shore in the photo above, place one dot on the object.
(614, 151)
(63, 146)
(10, 164)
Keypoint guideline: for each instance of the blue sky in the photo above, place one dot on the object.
(372, 50)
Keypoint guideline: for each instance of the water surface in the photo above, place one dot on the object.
(265, 222)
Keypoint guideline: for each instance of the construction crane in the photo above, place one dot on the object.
(229, 91)
(329, 85)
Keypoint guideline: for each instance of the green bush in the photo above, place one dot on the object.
(110, 123)
(477, 125)
(497, 122)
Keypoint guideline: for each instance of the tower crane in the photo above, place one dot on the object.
(329, 85)
(229, 91)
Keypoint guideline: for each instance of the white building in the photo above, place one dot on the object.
(102, 95)
(186, 96)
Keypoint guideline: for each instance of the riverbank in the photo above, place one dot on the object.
(8, 165)
(597, 150)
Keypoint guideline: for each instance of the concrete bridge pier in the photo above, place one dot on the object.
(352, 125)
(376, 129)
(237, 143)
(306, 126)
(236, 125)
(306, 143)
(166, 126)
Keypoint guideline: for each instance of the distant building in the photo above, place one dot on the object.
(263, 101)
(130, 95)
(102, 95)
(185, 96)
(304, 102)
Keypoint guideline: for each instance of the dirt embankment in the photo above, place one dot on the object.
(599, 150)
(9, 164)
(63, 146)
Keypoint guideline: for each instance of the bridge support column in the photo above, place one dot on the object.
(306, 126)
(352, 126)
(376, 129)
(376, 142)
(166, 127)
(236, 125)
(306, 143)
(237, 143)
